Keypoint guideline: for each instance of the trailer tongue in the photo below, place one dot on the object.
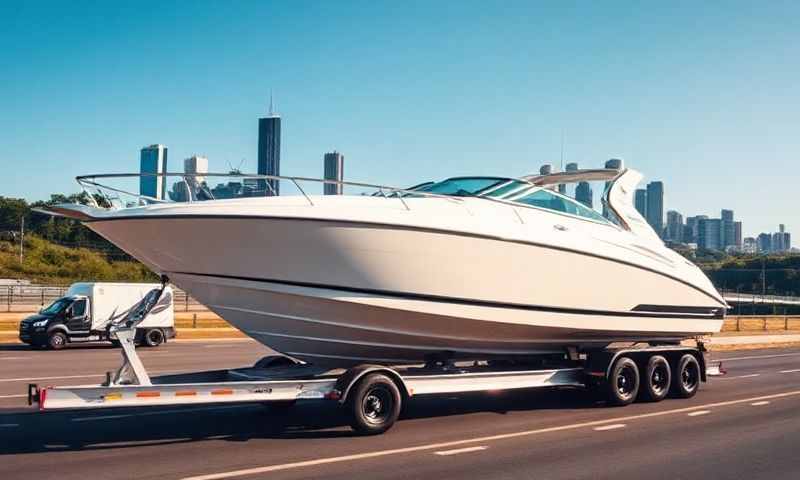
(372, 395)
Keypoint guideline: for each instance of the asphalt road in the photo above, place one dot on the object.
(745, 425)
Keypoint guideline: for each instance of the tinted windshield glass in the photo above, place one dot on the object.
(57, 306)
(544, 198)
(464, 186)
(507, 188)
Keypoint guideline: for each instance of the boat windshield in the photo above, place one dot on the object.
(544, 198)
(464, 186)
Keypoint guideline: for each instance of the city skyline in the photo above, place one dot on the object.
(502, 87)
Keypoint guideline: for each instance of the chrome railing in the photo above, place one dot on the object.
(98, 193)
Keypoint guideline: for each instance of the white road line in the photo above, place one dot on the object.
(740, 376)
(791, 371)
(699, 412)
(48, 378)
(166, 372)
(9, 425)
(613, 426)
(13, 358)
(466, 441)
(755, 357)
(14, 396)
(445, 453)
(758, 404)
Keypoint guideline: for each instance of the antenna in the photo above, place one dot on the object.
(271, 109)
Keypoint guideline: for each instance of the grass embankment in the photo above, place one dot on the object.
(47, 263)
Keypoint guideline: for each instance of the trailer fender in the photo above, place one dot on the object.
(346, 381)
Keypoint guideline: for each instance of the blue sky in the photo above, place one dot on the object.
(701, 95)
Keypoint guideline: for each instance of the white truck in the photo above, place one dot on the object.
(87, 310)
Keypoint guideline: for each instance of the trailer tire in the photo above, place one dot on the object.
(686, 377)
(57, 341)
(374, 404)
(153, 337)
(656, 381)
(622, 384)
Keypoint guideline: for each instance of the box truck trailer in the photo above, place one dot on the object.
(87, 310)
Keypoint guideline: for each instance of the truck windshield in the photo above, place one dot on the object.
(56, 307)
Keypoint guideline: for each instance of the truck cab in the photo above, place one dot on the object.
(84, 314)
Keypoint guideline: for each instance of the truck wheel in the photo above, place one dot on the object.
(374, 404)
(656, 380)
(57, 340)
(686, 377)
(622, 384)
(154, 337)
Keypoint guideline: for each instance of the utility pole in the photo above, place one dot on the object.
(21, 237)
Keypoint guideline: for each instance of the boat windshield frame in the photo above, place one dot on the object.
(526, 186)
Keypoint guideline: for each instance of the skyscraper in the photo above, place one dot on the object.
(571, 167)
(583, 193)
(269, 149)
(709, 230)
(764, 242)
(737, 235)
(334, 170)
(640, 201)
(674, 226)
(728, 234)
(655, 206)
(196, 165)
(693, 228)
(153, 161)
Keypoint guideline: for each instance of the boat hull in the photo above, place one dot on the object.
(341, 292)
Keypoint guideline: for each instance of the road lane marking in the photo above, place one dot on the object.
(613, 426)
(13, 358)
(741, 376)
(467, 441)
(9, 425)
(165, 372)
(756, 357)
(445, 453)
(699, 412)
(13, 396)
(48, 378)
(795, 370)
(758, 404)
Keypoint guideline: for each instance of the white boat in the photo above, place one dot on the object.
(471, 267)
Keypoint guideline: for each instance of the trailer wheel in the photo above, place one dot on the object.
(622, 384)
(374, 404)
(57, 340)
(154, 337)
(686, 377)
(656, 380)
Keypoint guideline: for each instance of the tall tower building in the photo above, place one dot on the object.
(737, 235)
(196, 165)
(334, 170)
(728, 235)
(640, 202)
(583, 193)
(571, 167)
(269, 149)
(655, 206)
(153, 161)
(708, 233)
(674, 226)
